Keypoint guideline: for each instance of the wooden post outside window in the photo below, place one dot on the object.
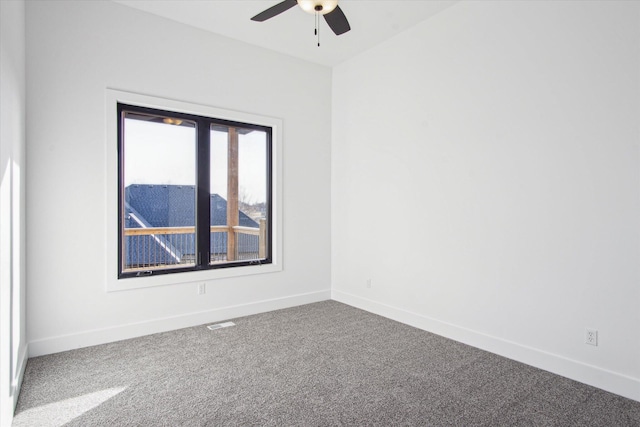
(262, 242)
(232, 194)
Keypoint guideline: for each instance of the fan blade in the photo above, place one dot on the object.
(337, 21)
(274, 10)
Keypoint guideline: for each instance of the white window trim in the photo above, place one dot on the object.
(113, 283)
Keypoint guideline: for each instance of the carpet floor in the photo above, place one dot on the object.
(322, 364)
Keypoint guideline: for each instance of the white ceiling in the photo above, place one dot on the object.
(291, 33)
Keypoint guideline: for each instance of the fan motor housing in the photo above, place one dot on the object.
(318, 6)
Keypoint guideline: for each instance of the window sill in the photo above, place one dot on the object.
(115, 285)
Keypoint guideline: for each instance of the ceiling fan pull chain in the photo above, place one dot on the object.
(318, 26)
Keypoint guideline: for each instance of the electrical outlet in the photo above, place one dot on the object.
(368, 283)
(591, 337)
(202, 288)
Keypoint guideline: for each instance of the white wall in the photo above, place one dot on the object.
(75, 50)
(486, 177)
(13, 338)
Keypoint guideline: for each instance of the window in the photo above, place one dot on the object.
(194, 192)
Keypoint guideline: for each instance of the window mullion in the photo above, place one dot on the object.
(203, 201)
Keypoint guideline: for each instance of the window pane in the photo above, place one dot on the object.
(252, 193)
(238, 194)
(159, 175)
(252, 170)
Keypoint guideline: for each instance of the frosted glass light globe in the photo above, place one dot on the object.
(321, 6)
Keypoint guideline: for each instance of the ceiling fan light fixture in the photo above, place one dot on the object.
(170, 121)
(318, 6)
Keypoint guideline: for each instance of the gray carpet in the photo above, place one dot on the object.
(321, 364)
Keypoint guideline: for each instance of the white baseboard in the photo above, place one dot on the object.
(592, 375)
(133, 330)
(17, 382)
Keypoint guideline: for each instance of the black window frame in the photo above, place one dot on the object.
(204, 125)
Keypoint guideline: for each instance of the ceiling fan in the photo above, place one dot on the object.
(328, 8)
